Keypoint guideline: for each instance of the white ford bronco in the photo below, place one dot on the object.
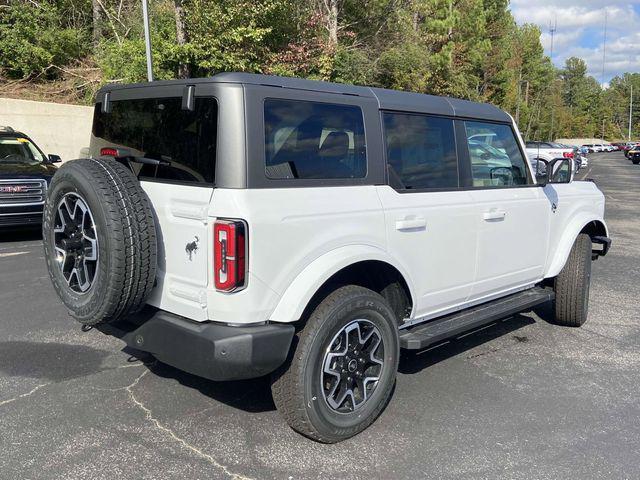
(246, 225)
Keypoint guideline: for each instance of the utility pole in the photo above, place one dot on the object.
(552, 31)
(147, 40)
(630, 111)
(604, 58)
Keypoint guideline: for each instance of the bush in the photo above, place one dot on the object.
(31, 40)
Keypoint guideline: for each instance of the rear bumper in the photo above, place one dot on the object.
(210, 350)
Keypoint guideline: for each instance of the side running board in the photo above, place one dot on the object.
(439, 329)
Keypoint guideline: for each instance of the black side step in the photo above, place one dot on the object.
(434, 331)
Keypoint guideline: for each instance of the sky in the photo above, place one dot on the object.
(580, 32)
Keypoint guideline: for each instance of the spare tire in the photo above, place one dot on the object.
(99, 240)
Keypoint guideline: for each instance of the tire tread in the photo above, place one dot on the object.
(571, 285)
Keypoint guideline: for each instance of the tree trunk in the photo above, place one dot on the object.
(332, 22)
(184, 70)
(96, 12)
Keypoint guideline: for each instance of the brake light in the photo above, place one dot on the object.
(109, 152)
(567, 154)
(229, 254)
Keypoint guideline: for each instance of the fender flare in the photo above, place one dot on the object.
(300, 292)
(563, 249)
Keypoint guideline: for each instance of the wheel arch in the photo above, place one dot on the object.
(589, 226)
(366, 266)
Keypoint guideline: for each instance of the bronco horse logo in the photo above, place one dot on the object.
(192, 247)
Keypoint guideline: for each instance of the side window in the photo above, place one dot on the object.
(421, 151)
(498, 164)
(313, 140)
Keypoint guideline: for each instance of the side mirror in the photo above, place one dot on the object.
(54, 158)
(561, 170)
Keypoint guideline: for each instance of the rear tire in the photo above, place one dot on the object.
(122, 238)
(571, 305)
(331, 358)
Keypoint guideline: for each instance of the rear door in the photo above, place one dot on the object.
(171, 146)
(430, 222)
(512, 213)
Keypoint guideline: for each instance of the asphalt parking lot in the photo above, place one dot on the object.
(520, 399)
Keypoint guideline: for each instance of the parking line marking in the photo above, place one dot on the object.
(12, 254)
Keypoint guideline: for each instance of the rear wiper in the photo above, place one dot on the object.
(164, 160)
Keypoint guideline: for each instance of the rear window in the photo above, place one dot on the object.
(421, 152)
(309, 140)
(158, 128)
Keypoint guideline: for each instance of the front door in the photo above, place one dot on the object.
(512, 214)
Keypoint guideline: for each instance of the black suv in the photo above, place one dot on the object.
(25, 172)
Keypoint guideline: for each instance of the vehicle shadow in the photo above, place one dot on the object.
(254, 395)
(23, 234)
(52, 361)
(416, 361)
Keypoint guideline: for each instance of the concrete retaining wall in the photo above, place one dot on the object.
(56, 128)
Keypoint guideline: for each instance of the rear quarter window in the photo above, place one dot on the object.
(313, 140)
(159, 129)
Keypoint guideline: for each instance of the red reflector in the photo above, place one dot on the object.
(229, 254)
(109, 152)
(567, 154)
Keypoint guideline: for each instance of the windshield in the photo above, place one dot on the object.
(19, 150)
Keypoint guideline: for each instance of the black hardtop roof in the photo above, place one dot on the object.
(387, 99)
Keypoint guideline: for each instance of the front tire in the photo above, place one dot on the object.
(571, 306)
(341, 373)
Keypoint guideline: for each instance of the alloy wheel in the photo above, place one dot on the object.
(76, 242)
(352, 366)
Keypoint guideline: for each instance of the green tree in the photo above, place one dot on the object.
(34, 39)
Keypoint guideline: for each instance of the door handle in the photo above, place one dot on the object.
(411, 223)
(494, 214)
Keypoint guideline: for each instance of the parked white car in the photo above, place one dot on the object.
(246, 225)
(548, 150)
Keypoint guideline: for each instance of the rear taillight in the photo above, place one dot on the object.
(109, 152)
(229, 255)
(567, 154)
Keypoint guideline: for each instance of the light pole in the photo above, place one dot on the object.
(630, 111)
(552, 31)
(604, 59)
(147, 40)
